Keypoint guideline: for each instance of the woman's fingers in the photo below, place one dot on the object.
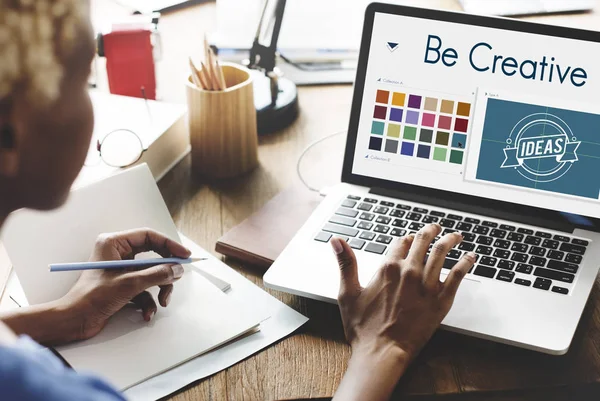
(421, 243)
(129, 243)
(437, 256)
(137, 281)
(164, 295)
(146, 303)
(349, 284)
(457, 273)
(399, 248)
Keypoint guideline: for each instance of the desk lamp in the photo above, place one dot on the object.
(275, 97)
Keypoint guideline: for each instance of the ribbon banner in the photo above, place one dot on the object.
(557, 146)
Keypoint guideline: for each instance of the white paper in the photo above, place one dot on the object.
(128, 350)
(283, 321)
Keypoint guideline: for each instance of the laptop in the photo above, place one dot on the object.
(488, 127)
(526, 7)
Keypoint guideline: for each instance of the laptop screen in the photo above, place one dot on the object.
(495, 113)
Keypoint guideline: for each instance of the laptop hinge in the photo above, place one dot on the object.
(527, 215)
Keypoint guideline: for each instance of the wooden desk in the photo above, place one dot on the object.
(309, 364)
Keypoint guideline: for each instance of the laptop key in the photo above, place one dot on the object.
(525, 231)
(430, 219)
(505, 275)
(462, 226)
(356, 243)
(468, 237)
(420, 210)
(345, 221)
(563, 266)
(342, 237)
(447, 223)
(560, 290)
(323, 237)
(371, 200)
(488, 261)
(384, 239)
(337, 229)
(496, 233)
(521, 281)
(399, 223)
(501, 253)
(448, 231)
(519, 248)
(437, 213)
(367, 216)
(506, 264)
(481, 230)
(550, 244)
(537, 251)
(472, 220)
(375, 248)
(466, 246)
(571, 248)
(365, 225)
(353, 197)
(537, 261)
(482, 239)
(365, 206)
(489, 224)
(580, 242)
(403, 207)
(342, 211)
(416, 226)
(414, 216)
(386, 203)
(379, 228)
(542, 284)
(454, 254)
(368, 235)
(455, 217)
(500, 243)
(381, 210)
(397, 213)
(515, 237)
(554, 275)
(349, 203)
(571, 258)
(507, 227)
(524, 268)
(543, 234)
(562, 238)
(556, 255)
(398, 232)
(383, 220)
(483, 250)
(531, 240)
(485, 271)
(519, 257)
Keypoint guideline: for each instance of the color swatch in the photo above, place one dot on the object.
(416, 125)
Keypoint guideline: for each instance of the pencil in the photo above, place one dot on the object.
(195, 75)
(207, 77)
(213, 69)
(221, 76)
(120, 264)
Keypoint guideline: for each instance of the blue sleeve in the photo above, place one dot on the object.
(29, 372)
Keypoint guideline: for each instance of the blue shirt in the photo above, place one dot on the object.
(29, 372)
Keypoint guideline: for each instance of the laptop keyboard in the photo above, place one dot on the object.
(506, 252)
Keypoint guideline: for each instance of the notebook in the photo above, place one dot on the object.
(199, 318)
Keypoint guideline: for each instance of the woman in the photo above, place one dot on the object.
(46, 124)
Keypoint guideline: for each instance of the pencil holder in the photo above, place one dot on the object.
(223, 126)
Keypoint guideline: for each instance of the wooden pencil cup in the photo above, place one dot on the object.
(223, 126)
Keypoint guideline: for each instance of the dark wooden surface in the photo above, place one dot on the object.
(311, 363)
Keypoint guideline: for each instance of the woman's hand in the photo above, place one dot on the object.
(388, 322)
(99, 294)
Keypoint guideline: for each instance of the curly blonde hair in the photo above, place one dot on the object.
(36, 36)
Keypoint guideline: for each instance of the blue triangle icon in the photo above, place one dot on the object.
(392, 46)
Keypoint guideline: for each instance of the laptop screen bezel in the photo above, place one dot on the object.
(446, 16)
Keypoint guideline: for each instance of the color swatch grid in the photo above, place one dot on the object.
(420, 126)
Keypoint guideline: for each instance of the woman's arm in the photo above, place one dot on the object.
(99, 294)
(390, 321)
